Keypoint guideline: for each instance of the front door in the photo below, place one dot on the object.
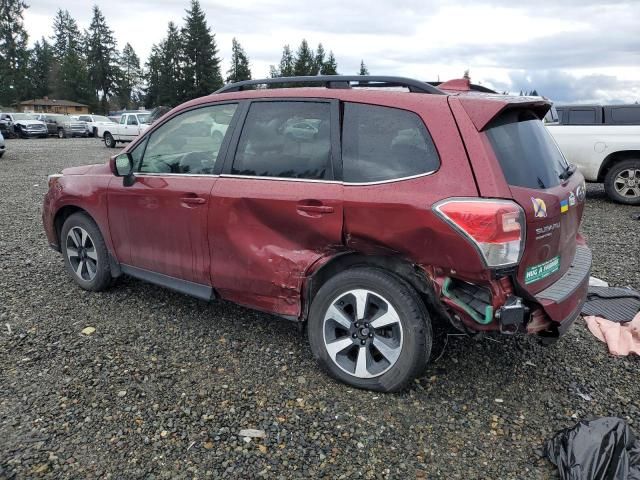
(277, 207)
(159, 224)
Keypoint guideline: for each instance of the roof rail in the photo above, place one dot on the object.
(340, 81)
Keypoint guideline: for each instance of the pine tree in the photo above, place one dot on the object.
(330, 67)
(152, 77)
(102, 58)
(240, 69)
(171, 80)
(70, 77)
(40, 65)
(201, 64)
(130, 77)
(363, 69)
(14, 55)
(286, 67)
(305, 61)
(467, 74)
(319, 60)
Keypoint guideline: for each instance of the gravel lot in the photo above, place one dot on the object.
(166, 382)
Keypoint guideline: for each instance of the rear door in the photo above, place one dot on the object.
(534, 168)
(277, 207)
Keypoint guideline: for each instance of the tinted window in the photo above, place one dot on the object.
(625, 115)
(132, 120)
(582, 116)
(285, 139)
(84, 118)
(381, 143)
(527, 154)
(188, 143)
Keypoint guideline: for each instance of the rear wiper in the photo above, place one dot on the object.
(569, 170)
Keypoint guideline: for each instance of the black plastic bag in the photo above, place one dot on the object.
(602, 449)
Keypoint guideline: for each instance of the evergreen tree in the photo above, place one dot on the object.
(467, 74)
(101, 59)
(286, 68)
(534, 93)
(305, 63)
(171, 74)
(363, 69)
(240, 69)
(40, 65)
(319, 60)
(14, 55)
(70, 77)
(152, 77)
(330, 67)
(130, 78)
(201, 64)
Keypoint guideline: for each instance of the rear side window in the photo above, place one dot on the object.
(286, 140)
(585, 116)
(625, 115)
(527, 154)
(382, 143)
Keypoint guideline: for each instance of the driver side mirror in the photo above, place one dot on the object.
(122, 166)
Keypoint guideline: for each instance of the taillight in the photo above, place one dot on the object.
(495, 227)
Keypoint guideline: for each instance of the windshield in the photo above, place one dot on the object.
(527, 153)
(23, 116)
(98, 118)
(143, 117)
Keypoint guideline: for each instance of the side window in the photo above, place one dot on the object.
(132, 120)
(582, 116)
(382, 143)
(123, 119)
(84, 118)
(188, 143)
(285, 139)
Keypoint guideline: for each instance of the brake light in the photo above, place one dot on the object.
(495, 227)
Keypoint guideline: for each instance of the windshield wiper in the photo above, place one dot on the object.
(569, 170)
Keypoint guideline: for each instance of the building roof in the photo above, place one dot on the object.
(48, 101)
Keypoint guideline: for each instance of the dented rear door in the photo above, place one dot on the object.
(277, 207)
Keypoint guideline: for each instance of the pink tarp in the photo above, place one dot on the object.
(621, 338)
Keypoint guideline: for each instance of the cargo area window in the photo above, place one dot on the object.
(527, 153)
(382, 143)
(188, 143)
(285, 139)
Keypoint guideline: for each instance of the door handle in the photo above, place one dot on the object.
(315, 208)
(193, 200)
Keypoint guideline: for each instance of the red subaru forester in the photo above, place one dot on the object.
(368, 213)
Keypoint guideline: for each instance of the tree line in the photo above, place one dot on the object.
(87, 66)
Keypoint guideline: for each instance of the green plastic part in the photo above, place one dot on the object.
(488, 311)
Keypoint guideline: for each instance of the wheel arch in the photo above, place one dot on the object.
(412, 274)
(613, 158)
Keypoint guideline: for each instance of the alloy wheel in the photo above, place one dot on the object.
(82, 254)
(627, 183)
(362, 333)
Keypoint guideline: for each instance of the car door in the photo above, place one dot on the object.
(131, 128)
(159, 223)
(277, 207)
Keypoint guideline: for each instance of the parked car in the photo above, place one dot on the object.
(405, 208)
(92, 123)
(63, 125)
(131, 125)
(25, 125)
(604, 142)
(6, 127)
(2, 145)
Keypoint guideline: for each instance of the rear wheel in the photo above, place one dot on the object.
(622, 182)
(85, 253)
(369, 329)
(109, 141)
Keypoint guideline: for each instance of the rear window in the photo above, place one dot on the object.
(626, 115)
(527, 154)
(585, 116)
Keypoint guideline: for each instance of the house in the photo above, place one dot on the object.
(46, 105)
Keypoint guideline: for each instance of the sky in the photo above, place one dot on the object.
(572, 51)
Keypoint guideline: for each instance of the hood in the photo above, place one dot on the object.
(100, 168)
(30, 122)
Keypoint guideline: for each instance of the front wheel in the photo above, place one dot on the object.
(622, 182)
(369, 329)
(109, 141)
(85, 253)
(61, 133)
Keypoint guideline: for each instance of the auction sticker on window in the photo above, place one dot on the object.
(542, 270)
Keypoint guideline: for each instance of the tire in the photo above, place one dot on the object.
(61, 133)
(85, 257)
(622, 182)
(109, 141)
(407, 336)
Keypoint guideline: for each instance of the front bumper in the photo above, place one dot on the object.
(34, 133)
(563, 300)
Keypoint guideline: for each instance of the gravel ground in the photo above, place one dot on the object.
(166, 382)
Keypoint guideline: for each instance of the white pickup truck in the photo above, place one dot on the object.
(604, 143)
(131, 125)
